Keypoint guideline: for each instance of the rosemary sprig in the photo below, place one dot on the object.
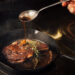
(33, 44)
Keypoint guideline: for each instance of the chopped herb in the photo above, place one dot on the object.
(34, 47)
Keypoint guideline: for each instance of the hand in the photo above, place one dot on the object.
(70, 6)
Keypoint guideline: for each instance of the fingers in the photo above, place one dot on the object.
(64, 4)
(71, 7)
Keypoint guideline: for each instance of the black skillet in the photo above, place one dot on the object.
(8, 38)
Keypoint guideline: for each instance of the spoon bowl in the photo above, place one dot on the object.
(28, 15)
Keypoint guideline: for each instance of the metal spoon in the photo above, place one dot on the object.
(29, 15)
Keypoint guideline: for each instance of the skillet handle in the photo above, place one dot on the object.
(71, 58)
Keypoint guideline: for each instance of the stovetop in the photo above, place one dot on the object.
(62, 66)
(51, 21)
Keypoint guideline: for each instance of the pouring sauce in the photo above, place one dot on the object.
(23, 20)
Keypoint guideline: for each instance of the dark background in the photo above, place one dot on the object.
(51, 18)
(10, 9)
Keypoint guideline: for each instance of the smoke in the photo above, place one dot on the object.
(9, 25)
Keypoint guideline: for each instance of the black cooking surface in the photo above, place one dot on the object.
(49, 21)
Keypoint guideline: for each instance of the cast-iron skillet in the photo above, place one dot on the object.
(31, 34)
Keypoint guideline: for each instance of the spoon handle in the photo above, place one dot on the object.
(52, 5)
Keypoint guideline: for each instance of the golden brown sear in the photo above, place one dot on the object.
(20, 50)
(16, 54)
